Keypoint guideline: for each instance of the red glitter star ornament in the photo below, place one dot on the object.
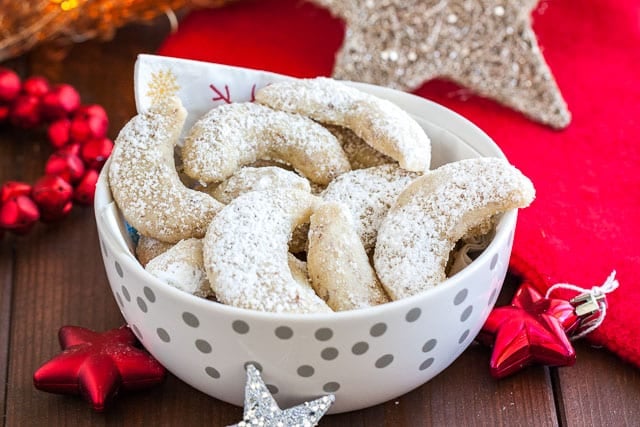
(98, 365)
(531, 330)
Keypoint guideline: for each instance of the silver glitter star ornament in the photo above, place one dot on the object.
(261, 409)
(487, 46)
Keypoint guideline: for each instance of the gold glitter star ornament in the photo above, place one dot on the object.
(487, 46)
(261, 409)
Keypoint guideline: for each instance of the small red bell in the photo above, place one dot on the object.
(60, 101)
(13, 189)
(95, 152)
(86, 188)
(89, 122)
(52, 194)
(19, 214)
(25, 111)
(58, 132)
(68, 166)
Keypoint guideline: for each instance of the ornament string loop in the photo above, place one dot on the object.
(589, 302)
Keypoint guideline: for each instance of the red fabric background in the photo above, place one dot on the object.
(584, 222)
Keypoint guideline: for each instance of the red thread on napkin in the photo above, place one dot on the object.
(584, 222)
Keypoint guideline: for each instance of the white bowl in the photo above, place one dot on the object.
(364, 357)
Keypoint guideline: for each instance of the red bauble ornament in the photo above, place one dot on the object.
(98, 365)
(528, 332)
(9, 85)
(60, 101)
(86, 188)
(69, 127)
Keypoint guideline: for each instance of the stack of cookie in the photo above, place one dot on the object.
(317, 197)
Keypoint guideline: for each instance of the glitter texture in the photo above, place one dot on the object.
(487, 46)
(261, 409)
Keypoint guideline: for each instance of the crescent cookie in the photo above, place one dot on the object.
(360, 154)
(182, 267)
(369, 193)
(380, 123)
(434, 212)
(234, 135)
(148, 248)
(144, 181)
(246, 252)
(337, 262)
(252, 179)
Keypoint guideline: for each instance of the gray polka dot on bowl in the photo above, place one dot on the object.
(378, 329)
(329, 353)
(384, 361)
(429, 345)
(460, 297)
(272, 389)
(240, 326)
(463, 337)
(203, 346)
(466, 313)
(149, 294)
(119, 298)
(212, 372)
(413, 314)
(190, 319)
(119, 270)
(163, 335)
(104, 249)
(141, 304)
(284, 332)
(494, 262)
(125, 293)
(324, 334)
(331, 387)
(306, 371)
(360, 348)
(426, 364)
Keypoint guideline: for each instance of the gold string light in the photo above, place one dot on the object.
(24, 24)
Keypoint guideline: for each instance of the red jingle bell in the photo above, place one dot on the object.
(25, 111)
(36, 86)
(68, 166)
(60, 101)
(9, 85)
(53, 196)
(89, 122)
(58, 132)
(96, 152)
(18, 214)
(86, 188)
(13, 189)
(71, 149)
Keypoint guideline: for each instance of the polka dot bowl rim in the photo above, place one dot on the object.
(116, 243)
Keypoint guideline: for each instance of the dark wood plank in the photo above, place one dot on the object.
(599, 389)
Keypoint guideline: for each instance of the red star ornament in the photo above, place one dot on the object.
(533, 329)
(98, 365)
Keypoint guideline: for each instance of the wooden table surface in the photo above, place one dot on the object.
(55, 277)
